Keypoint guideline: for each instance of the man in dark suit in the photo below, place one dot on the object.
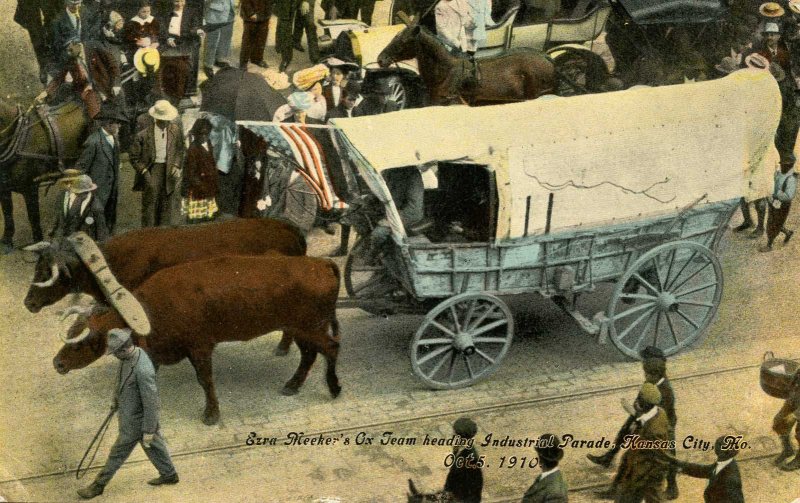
(76, 21)
(549, 486)
(294, 18)
(465, 478)
(354, 104)
(100, 160)
(79, 211)
(180, 35)
(36, 16)
(724, 480)
(255, 14)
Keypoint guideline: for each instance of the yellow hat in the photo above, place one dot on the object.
(144, 57)
(771, 9)
(650, 394)
(306, 78)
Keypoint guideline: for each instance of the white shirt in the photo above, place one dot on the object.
(336, 92)
(73, 19)
(647, 416)
(318, 109)
(139, 20)
(71, 199)
(721, 465)
(109, 137)
(358, 101)
(548, 473)
(160, 136)
(660, 381)
(175, 23)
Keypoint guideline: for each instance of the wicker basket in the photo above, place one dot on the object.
(776, 375)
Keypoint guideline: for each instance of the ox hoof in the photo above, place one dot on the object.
(335, 391)
(279, 351)
(211, 419)
(289, 391)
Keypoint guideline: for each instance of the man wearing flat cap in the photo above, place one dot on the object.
(137, 405)
(724, 480)
(157, 156)
(465, 478)
(100, 160)
(78, 209)
(654, 365)
(642, 471)
(549, 486)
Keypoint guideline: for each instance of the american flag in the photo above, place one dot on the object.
(302, 144)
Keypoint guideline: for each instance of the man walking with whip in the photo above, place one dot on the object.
(136, 402)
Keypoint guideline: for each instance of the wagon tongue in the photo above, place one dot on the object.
(123, 301)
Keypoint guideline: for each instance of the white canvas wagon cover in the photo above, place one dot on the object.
(608, 157)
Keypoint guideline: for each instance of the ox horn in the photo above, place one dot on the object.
(79, 310)
(53, 278)
(38, 247)
(123, 301)
(74, 340)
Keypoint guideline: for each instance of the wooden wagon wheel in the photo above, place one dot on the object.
(666, 299)
(462, 340)
(363, 278)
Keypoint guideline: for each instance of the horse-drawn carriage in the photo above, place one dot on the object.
(538, 197)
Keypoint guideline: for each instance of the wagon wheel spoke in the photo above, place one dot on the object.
(632, 310)
(637, 296)
(374, 281)
(634, 324)
(433, 354)
(367, 268)
(438, 365)
(469, 314)
(683, 268)
(452, 367)
(676, 287)
(454, 315)
(469, 367)
(696, 303)
(645, 330)
(688, 320)
(695, 290)
(484, 356)
(671, 328)
(490, 340)
(655, 333)
(435, 342)
(480, 320)
(646, 283)
(658, 274)
(486, 328)
(669, 268)
(442, 328)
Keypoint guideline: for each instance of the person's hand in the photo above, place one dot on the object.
(253, 18)
(147, 439)
(171, 42)
(201, 33)
(175, 172)
(305, 8)
(143, 42)
(155, 45)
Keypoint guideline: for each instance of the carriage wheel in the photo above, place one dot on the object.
(666, 299)
(572, 70)
(361, 278)
(462, 340)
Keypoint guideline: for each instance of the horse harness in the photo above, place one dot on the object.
(24, 124)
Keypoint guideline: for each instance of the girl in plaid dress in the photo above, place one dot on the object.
(199, 188)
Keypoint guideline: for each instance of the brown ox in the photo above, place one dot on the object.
(134, 256)
(194, 306)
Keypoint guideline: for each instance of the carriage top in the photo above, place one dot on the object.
(606, 158)
(675, 12)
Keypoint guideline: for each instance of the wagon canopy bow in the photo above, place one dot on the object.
(630, 166)
(675, 11)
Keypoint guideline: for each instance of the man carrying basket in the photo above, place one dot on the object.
(784, 421)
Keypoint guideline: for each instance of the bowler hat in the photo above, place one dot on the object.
(162, 110)
(730, 451)
(117, 337)
(80, 184)
(650, 394)
(771, 9)
(465, 427)
(652, 352)
(110, 113)
(756, 61)
(548, 448)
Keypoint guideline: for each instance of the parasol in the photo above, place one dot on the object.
(240, 96)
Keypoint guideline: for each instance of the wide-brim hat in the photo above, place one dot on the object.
(548, 448)
(72, 2)
(146, 57)
(163, 110)
(349, 66)
(465, 427)
(110, 113)
(794, 6)
(771, 28)
(757, 61)
(81, 184)
(727, 65)
(306, 78)
(771, 9)
(114, 17)
(117, 337)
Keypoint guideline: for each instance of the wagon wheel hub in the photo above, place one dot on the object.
(463, 343)
(666, 302)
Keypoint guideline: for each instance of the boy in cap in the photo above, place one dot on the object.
(782, 424)
(779, 203)
(549, 486)
(78, 209)
(465, 478)
(724, 481)
(136, 402)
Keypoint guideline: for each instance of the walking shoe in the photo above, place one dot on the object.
(222, 64)
(298, 47)
(789, 235)
(283, 66)
(743, 226)
(92, 490)
(756, 233)
(262, 64)
(208, 71)
(792, 465)
(172, 479)
(765, 249)
(671, 493)
(604, 460)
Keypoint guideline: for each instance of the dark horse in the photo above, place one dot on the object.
(33, 146)
(520, 74)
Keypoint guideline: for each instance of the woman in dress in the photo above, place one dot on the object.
(199, 187)
(142, 30)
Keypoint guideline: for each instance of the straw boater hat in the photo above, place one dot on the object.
(794, 6)
(79, 184)
(771, 9)
(549, 449)
(117, 337)
(306, 78)
(146, 57)
(756, 61)
(163, 110)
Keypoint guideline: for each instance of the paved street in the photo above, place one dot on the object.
(554, 379)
